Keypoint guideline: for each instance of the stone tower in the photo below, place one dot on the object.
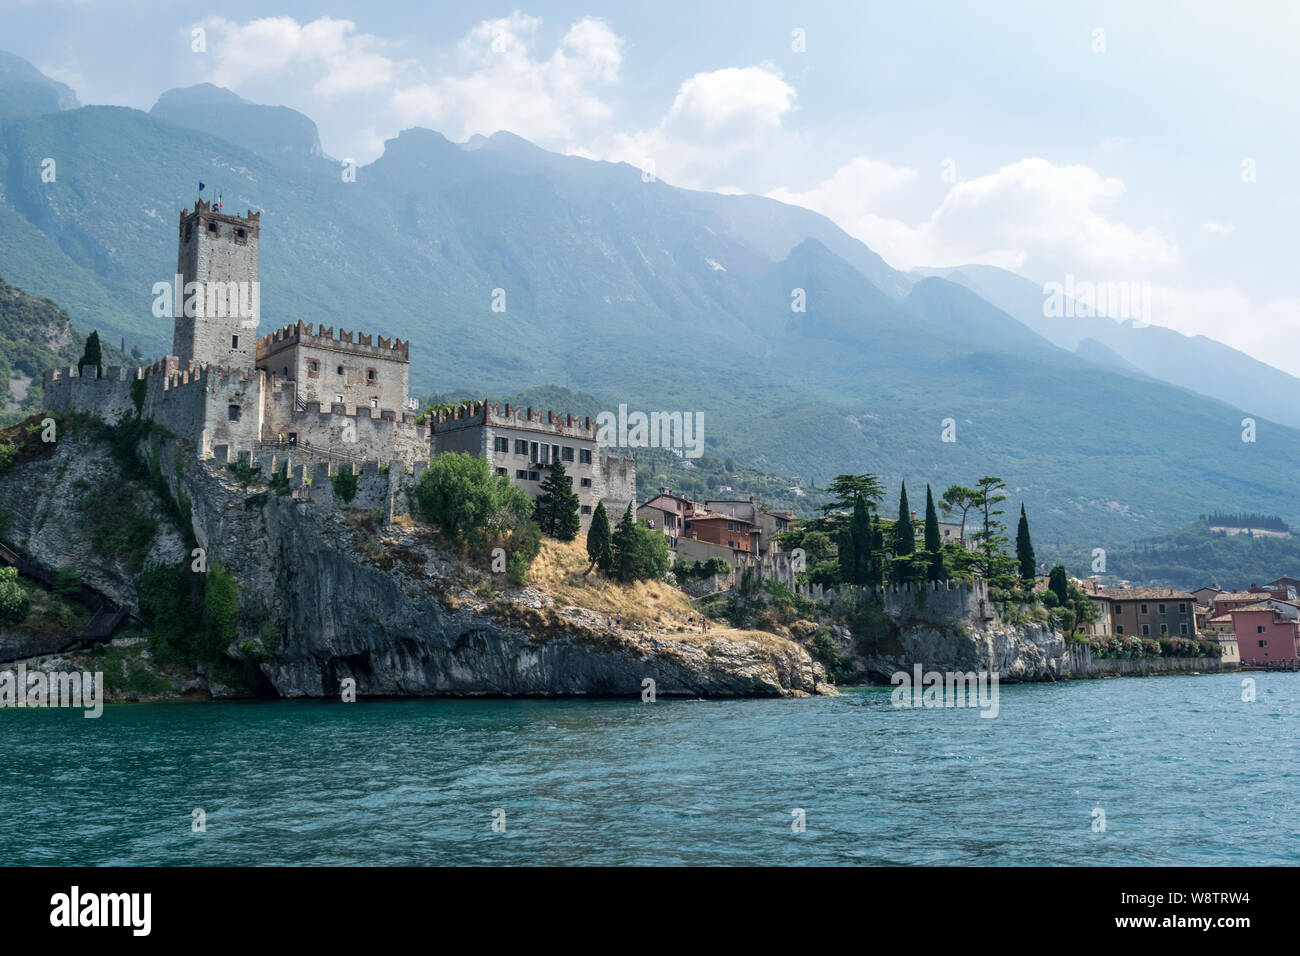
(219, 252)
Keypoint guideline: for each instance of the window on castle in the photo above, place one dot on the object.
(501, 444)
(1164, 628)
(338, 399)
(371, 375)
(234, 341)
(586, 509)
(521, 474)
(521, 447)
(233, 413)
(534, 476)
(1146, 630)
(586, 482)
(584, 457)
(212, 228)
(568, 453)
(240, 233)
(501, 472)
(340, 369)
(1119, 629)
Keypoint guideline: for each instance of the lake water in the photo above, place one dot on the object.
(1185, 771)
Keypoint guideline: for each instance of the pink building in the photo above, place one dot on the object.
(1266, 636)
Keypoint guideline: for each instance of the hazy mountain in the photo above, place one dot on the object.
(637, 292)
(270, 130)
(1195, 362)
(25, 90)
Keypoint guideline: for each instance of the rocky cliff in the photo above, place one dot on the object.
(1026, 652)
(329, 592)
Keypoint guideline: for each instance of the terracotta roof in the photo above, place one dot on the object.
(1221, 619)
(1239, 596)
(1261, 606)
(716, 516)
(1143, 594)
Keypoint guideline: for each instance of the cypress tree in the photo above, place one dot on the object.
(860, 535)
(599, 542)
(623, 565)
(933, 542)
(556, 509)
(1025, 548)
(1059, 585)
(904, 534)
(93, 355)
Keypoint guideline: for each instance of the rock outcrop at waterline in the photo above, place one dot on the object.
(328, 593)
(1026, 652)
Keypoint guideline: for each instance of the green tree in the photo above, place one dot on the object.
(556, 507)
(1025, 548)
(599, 540)
(904, 534)
(220, 612)
(460, 494)
(958, 498)
(856, 551)
(933, 540)
(524, 544)
(93, 355)
(15, 602)
(848, 490)
(990, 537)
(1059, 584)
(640, 553)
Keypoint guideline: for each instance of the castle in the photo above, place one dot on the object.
(310, 393)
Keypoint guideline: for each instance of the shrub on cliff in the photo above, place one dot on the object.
(345, 484)
(524, 544)
(15, 602)
(460, 495)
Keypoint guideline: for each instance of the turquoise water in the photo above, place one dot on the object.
(1185, 771)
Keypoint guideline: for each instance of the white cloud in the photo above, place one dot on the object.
(327, 57)
(716, 119)
(1032, 216)
(493, 80)
(1217, 228)
(1229, 316)
(502, 84)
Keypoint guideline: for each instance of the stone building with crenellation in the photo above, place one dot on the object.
(338, 395)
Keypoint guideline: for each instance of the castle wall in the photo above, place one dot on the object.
(928, 600)
(348, 368)
(520, 443)
(383, 436)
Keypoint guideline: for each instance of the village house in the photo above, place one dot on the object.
(1266, 636)
(1150, 612)
(1205, 595)
(668, 513)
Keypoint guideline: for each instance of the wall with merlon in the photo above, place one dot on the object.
(928, 600)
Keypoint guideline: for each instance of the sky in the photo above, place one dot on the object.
(1152, 142)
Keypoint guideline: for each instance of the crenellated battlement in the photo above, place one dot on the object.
(483, 412)
(937, 601)
(353, 343)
